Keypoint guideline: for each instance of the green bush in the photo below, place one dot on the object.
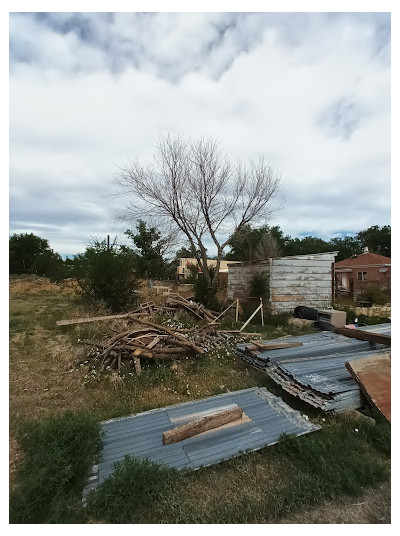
(375, 295)
(58, 454)
(50, 264)
(259, 285)
(106, 274)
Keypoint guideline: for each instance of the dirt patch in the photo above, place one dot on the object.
(15, 458)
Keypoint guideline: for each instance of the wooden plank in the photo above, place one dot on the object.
(365, 335)
(283, 285)
(199, 426)
(252, 316)
(278, 270)
(155, 341)
(276, 345)
(91, 319)
(373, 375)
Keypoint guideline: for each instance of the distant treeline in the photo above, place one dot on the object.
(150, 253)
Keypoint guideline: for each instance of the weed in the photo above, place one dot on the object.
(58, 454)
(135, 485)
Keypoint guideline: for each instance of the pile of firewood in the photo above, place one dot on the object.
(150, 342)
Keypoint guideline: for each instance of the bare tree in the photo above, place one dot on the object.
(266, 248)
(194, 188)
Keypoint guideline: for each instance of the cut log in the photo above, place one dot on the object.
(136, 362)
(365, 335)
(198, 426)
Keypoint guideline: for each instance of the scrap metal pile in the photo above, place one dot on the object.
(314, 368)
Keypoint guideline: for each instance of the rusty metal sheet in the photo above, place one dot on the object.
(373, 376)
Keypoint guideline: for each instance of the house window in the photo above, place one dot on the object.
(362, 276)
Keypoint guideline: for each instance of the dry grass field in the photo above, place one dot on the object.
(46, 383)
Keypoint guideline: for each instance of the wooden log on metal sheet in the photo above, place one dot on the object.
(276, 345)
(198, 426)
(373, 376)
(364, 335)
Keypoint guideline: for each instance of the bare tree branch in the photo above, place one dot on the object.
(195, 191)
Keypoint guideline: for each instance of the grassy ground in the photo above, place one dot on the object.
(55, 408)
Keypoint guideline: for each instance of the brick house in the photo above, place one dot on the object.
(361, 272)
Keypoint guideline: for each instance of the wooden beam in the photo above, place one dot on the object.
(276, 345)
(91, 319)
(365, 335)
(198, 426)
(252, 316)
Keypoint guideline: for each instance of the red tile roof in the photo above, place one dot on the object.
(363, 259)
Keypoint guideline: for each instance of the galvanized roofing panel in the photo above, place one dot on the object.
(266, 417)
(315, 372)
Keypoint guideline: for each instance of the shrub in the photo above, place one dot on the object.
(106, 274)
(375, 295)
(58, 454)
(134, 485)
(259, 285)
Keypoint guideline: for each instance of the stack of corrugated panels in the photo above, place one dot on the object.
(315, 372)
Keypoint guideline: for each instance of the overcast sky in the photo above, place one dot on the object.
(88, 91)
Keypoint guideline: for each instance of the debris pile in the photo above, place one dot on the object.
(176, 301)
(151, 342)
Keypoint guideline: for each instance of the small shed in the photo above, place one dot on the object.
(293, 280)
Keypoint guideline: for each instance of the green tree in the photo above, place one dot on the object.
(251, 245)
(378, 239)
(107, 274)
(347, 247)
(306, 246)
(50, 264)
(149, 250)
(24, 249)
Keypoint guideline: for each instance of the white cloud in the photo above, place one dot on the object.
(84, 101)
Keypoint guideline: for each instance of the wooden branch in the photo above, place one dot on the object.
(136, 362)
(155, 341)
(184, 341)
(365, 335)
(203, 424)
(223, 312)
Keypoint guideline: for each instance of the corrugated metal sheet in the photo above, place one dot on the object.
(315, 372)
(266, 417)
(374, 377)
